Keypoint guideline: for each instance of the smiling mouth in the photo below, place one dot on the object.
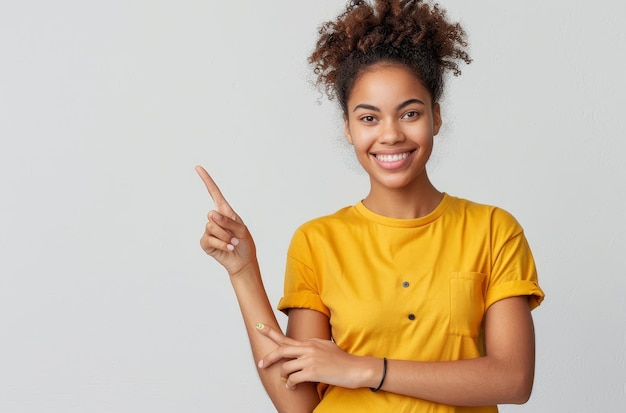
(392, 157)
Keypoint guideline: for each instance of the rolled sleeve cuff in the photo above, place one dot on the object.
(514, 289)
(304, 300)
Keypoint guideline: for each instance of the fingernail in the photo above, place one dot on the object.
(234, 241)
(260, 326)
(260, 364)
(217, 215)
(230, 247)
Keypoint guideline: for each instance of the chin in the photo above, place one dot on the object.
(398, 184)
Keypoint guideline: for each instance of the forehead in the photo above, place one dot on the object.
(387, 83)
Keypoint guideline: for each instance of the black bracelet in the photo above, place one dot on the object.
(382, 380)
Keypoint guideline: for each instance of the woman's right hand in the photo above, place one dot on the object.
(226, 238)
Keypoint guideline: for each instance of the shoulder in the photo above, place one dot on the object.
(317, 229)
(331, 222)
(497, 219)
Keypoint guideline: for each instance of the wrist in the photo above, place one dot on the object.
(370, 372)
(248, 269)
(382, 377)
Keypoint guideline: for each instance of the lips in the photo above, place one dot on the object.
(392, 160)
(392, 157)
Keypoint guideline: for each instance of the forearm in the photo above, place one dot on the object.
(476, 382)
(504, 375)
(256, 308)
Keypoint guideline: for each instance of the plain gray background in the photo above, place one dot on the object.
(107, 303)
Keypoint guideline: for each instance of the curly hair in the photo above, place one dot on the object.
(407, 32)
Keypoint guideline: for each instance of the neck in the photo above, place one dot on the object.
(403, 203)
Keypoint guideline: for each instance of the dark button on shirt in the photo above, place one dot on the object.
(411, 317)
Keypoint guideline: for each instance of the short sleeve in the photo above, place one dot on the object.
(301, 289)
(513, 271)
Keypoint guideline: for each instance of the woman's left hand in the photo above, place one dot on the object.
(313, 360)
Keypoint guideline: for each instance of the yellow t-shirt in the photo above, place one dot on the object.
(409, 289)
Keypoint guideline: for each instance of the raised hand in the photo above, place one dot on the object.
(226, 238)
(317, 360)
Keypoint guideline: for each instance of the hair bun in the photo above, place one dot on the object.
(410, 32)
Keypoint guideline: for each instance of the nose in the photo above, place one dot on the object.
(391, 133)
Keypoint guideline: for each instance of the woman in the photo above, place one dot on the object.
(411, 300)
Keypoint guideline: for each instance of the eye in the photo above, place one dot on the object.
(368, 118)
(410, 114)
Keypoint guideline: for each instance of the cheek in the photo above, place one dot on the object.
(363, 135)
(423, 133)
(362, 144)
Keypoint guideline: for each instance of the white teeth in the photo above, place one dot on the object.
(392, 158)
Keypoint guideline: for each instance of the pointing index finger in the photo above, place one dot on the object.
(219, 200)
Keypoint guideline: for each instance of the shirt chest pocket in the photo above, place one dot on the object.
(467, 303)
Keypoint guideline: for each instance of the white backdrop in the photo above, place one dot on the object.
(107, 303)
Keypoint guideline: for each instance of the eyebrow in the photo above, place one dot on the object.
(400, 106)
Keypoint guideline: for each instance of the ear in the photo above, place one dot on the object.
(436, 118)
(346, 129)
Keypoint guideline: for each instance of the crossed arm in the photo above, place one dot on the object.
(289, 366)
(504, 375)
